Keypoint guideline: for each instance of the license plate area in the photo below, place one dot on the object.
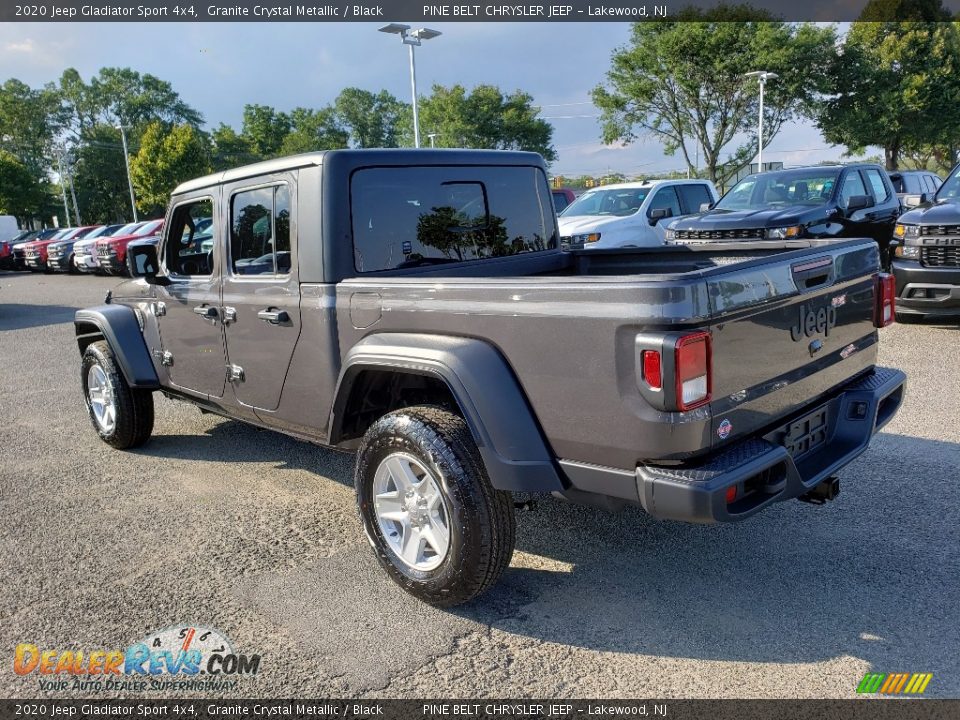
(808, 433)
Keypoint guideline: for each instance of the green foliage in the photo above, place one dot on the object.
(895, 85)
(683, 83)
(230, 149)
(166, 159)
(313, 130)
(372, 120)
(265, 129)
(21, 195)
(100, 175)
(485, 118)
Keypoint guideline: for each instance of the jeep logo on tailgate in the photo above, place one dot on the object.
(814, 321)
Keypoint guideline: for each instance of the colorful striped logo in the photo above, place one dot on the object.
(895, 683)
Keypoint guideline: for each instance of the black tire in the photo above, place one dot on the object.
(481, 518)
(134, 407)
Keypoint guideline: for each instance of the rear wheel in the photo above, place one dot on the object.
(121, 415)
(437, 525)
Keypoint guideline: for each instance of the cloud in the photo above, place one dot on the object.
(23, 46)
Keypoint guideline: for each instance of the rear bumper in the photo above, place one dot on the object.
(761, 468)
(925, 290)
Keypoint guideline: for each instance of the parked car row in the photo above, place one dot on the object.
(100, 249)
(913, 216)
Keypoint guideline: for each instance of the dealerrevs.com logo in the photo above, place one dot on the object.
(177, 658)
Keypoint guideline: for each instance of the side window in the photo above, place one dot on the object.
(693, 196)
(665, 197)
(190, 249)
(932, 184)
(852, 185)
(913, 184)
(260, 231)
(877, 185)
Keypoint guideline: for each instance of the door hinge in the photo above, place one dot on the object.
(234, 373)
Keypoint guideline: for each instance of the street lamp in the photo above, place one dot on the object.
(762, 76)
(126, 160)
(412, 39)
(433, 139)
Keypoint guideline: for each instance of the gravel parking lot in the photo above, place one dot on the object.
(218, 524)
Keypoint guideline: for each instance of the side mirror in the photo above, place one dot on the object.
(142, 261)
(659, 214)
(912, 201)
(859, 202)
(706, 206)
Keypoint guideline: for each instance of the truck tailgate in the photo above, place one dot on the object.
(787, 332)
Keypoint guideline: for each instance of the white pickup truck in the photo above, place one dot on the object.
(633, 214)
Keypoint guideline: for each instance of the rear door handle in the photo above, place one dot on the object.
(275, 317)
(207, 312)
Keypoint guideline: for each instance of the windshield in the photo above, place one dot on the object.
(779, 189)
(104, 231)
(618, 202)
(148, 229)
(950, 190)
(126, 229)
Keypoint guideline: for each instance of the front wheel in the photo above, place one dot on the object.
(437, 525)
(121, 415)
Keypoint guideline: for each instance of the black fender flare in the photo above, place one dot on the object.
(119, 326)
(491, 400)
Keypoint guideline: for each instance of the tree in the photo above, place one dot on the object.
(166, 158)
(683, 83)
(230, 150)
(264, 129)
(21, 195)
(895, 83)
(313, 130)
(485, 118)
(28, 124)
(100, 175)
(372, 120)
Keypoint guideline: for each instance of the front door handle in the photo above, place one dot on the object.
(207, 312)
(274, 317)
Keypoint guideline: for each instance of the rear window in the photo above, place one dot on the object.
(416, 216)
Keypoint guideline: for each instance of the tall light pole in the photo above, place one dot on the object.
(762, 76)
(126, 160)
(433, 139)
(63, 186)
(412, 39)
(73, 192)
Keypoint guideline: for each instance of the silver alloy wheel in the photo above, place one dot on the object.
(101, 399)
(411, 512)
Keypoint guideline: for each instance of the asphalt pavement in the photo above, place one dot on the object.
(215, 524)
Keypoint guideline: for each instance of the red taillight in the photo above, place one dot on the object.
(692, 369)
(886, 293)
(652, 372)
(731, 494)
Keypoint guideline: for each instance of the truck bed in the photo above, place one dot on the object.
(568, 324)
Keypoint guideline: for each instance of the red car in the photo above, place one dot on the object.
(36, 251)
(112, 251)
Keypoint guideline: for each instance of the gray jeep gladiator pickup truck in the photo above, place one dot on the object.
(415, 307)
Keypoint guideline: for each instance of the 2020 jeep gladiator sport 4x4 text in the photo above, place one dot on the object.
(414, 306)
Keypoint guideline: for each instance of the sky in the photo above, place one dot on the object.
(219, 67)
